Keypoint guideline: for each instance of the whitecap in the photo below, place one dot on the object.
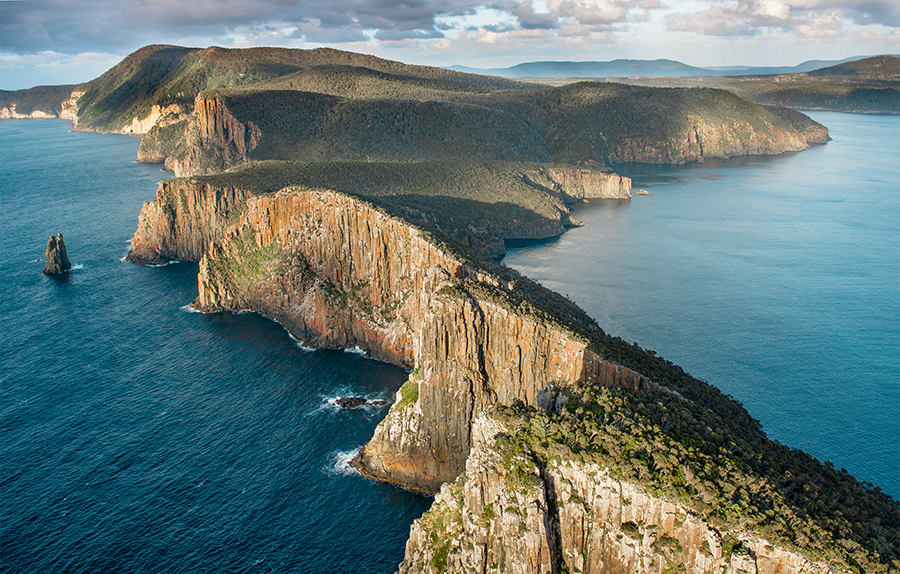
(355, 350)
(339, 463)
(77, 266)
(300, 344)
(189, 309)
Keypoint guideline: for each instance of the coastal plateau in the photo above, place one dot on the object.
(362, 202)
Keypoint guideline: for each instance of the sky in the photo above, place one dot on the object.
(51, 42)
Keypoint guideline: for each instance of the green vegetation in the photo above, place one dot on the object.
(167, 75)
(871, 85)
(246, 262)
(409, 392)
(162, 142)
(443, 525)
(731, 476)
(47, 99)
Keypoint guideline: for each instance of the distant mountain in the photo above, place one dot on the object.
(877, 68)
(641, 68)
(870, 85)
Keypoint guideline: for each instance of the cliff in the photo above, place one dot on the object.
(339, 270)
(184, 220)
(577, 184)
(475, 204)
(512, 512)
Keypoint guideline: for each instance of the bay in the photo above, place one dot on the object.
(775, 279)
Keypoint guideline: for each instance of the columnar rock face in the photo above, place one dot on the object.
(215, 139)
(510, 512)
(184, 220)
(337, 272)
(57, 258)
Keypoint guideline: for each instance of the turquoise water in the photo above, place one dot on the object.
(139, 437)
(775, 279)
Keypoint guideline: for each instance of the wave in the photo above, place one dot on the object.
(355, 350)
(189, 309)
(300, 344)
(339, 463)
(76, 266)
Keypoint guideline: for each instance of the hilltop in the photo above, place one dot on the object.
(640, 68)
(870, 85)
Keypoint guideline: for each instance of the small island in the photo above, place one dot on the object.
(56, 256)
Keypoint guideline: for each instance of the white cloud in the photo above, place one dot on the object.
(827, 25)
(808, 18)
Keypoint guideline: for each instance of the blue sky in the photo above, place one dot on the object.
(72, 41)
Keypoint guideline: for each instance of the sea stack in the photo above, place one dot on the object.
(57, 259)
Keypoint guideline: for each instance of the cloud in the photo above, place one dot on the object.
(807, 18)
(73, 26)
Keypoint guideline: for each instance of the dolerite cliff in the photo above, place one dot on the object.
(339, 272)
(184, 220)
(611, 459)
(510, 512)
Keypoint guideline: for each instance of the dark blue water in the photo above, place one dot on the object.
(139, 437)
(777, 280)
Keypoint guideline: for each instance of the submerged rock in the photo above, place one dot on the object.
(57, 259)
(353, 402)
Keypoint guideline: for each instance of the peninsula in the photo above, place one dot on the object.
(362, 202)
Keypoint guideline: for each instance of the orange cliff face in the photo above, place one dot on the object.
(338, 272)
(214, 138)
(518, 514)
(186, 217)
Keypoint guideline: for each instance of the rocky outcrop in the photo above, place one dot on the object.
(184, 220)
(158, 116)
(69, 111)
(581, 183)
(215, 139)
(511, 512)
(10, 113)
(56, 256)
(705, 139)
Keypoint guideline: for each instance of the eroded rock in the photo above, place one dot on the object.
(56, 256)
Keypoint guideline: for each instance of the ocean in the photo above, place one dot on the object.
(776, 279)
(138, 436)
